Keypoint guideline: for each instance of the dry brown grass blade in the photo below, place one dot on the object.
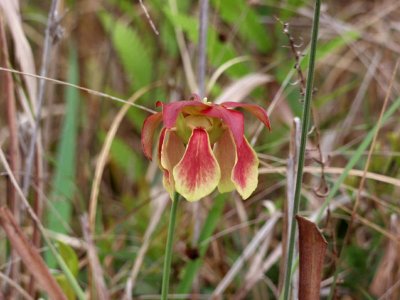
(9, 98)
(94, 262)
(371, 224)
(250, 281)
(7, 85)
(32, 260)
(183, 49)
(240, 89)
(247, 253)
(312, 248)
(15, 285)
(387, 277)
(23, 51)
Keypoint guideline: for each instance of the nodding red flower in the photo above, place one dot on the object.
(202, 146)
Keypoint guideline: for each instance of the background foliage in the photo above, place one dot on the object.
(109, 46)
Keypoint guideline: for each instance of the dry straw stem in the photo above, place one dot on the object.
(84, 89)
(332, 170)
(290, 186)
(221, 69)
(32, 260)
(148, 17)
(94, 262)
(106, 149)
(37, 104)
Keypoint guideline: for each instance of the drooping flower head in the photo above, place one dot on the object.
(202, 146)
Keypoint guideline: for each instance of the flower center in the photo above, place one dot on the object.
(186, 124)
(198, 122)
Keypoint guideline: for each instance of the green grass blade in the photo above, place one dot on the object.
(63, 187)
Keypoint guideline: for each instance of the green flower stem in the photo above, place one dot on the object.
(304, 132)
(168, 248)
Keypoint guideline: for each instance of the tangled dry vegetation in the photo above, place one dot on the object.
(70, 146)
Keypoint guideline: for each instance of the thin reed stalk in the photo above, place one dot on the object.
(303, 140)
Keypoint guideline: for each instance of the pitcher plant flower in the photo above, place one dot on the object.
(202, 146)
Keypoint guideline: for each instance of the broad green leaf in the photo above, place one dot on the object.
(135, 55)
(72, 261)
(63, 186)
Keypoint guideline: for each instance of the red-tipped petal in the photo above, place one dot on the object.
(170, 153)
(161, 144)
(173, 109)
(172, 150)
(245, 171)
(233, 119)
(225, 153)
(198, 173)
(256, 110)
(149, 127)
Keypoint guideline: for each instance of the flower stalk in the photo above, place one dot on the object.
(168, 248)
(303, 141)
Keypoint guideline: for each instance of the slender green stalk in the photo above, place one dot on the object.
(168, 248)
(304, 132)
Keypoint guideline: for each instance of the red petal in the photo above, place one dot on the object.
(149, 127)
(161, 145)
(225, 153)
(172, 110)
(170, 153)
(198, 173)
(245, 171)
(256, 110)
(233, 119)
